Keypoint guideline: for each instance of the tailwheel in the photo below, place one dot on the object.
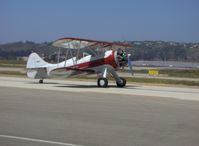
(122, 83)
(102, 82)
(41, 81)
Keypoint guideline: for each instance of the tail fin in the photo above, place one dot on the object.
(34, 61)
(36, 67)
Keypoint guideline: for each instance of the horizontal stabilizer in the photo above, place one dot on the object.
(40, 73)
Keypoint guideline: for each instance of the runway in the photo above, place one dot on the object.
(183, 93)
(74, 113)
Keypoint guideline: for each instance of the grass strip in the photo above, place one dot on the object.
(129, 79)
(17, 73)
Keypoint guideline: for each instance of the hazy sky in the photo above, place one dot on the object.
(47, 20)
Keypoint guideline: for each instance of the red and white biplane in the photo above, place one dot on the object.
(82, 56)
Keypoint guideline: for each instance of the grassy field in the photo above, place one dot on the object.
(14, 73)
(129, 79)
(188, 73)
(12, 63)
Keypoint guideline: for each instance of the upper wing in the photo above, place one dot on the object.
(77, 43)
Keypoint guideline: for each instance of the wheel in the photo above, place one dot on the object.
(41, 81)
(102, 82)
(123, 82)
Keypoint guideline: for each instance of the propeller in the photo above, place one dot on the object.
(124, 59)
(130, 64)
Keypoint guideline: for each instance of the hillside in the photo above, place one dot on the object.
(142, 50)
(165, 51)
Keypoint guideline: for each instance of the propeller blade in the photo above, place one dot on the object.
(130, 64)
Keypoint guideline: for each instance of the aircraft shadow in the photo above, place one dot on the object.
(80, 86)
(77, 86)
(88, 86)
(42, 83)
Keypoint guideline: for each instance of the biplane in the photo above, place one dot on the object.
(82, 56)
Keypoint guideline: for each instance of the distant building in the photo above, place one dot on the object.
(23, 58)
(194, 46)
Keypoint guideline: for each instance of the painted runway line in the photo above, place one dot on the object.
(38, 140)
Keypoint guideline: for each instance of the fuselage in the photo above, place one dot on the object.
(88, 63)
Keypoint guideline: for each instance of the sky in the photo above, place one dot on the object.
(108, 20)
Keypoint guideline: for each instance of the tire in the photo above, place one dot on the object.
(41, 81)
(102, 82)
(121, 84)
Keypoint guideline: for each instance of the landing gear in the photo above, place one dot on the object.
(102, 82)
(41, 81)
(122, 83)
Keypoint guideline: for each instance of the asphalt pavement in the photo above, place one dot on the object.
(37, 117)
